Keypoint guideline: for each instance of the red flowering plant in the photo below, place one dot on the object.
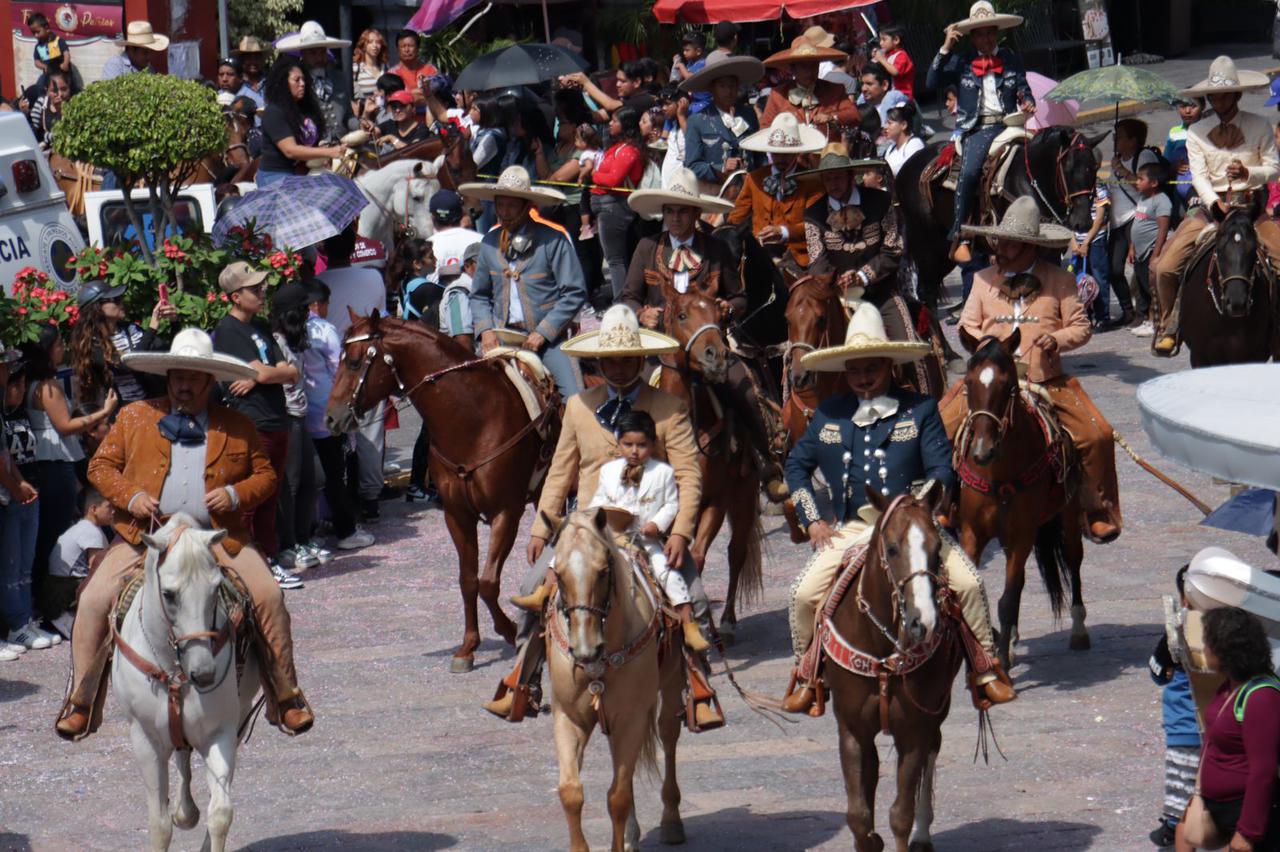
(36, 302)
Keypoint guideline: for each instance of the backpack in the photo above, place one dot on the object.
(1249, 688)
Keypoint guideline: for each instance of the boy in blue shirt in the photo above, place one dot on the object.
(1190, 111)
(1181, 731)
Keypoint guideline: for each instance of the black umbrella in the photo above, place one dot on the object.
(519, 65)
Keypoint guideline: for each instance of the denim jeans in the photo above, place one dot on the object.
(613, 226)
(268, 178)
(18, 526)
(1098, 262)
(973, 157)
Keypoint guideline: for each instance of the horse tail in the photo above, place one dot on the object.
(648, 760)
(751, 579)
(1051, 557)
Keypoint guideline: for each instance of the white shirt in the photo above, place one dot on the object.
(989, 101)
(362, 290)
(655, 500)
(515, 308)
(896, 156)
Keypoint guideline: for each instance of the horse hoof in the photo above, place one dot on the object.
(1081, 642)
(920, 846)
(672, 833)
(186, 822)
(462, 665)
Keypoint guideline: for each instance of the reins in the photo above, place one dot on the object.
(1060, 177)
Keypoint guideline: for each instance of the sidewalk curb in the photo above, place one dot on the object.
(1127, 108)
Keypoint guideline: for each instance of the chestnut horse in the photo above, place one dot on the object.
(816, 319)
(232, 163)
(693, 319)
(603, 639)
(484, 447)
(893, 651)
(1018, 484)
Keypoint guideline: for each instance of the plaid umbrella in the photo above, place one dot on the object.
(298, 211)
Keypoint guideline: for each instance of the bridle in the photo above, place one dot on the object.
(791, 347)
(1003, 420)
(1060, 177)
(601, 612)
(400, 225)
(1216, 283)
(896, 594)
(371, 355)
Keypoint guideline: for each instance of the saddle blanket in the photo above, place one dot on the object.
(529, 376)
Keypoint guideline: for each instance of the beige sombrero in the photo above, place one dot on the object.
(865, 338)
(619, 336)
(804, 50)
(1224, 77)
(514, 182)
(681, 191)
(1021, 223)
(311, 35)
(747, 69)
(818, 37)
(510, 336)
(983, 14)
(835, 158)
(140, 34)
(192, 349)
(250, 45)
(786, 136)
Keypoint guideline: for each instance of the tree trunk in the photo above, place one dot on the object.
(127, 185)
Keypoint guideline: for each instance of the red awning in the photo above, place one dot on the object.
(742, 11)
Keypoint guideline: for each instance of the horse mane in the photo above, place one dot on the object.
(421, 329)
(990, 350)
(188, 554)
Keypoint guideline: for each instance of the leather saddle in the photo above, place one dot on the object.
(943, 171)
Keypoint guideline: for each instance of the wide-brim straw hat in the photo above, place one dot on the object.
(619, 336)
(192, 349)
(835, 158)
(803, 50)
(786, 136)
(514, 182)
(681, 191)
(1022, 223)
(1224, 77)
(818, 37)
(747, 69)
(141, 34)
(509, 336)
(618, 518)
(249, 45)
(983, 14)
(311, 35)
(865, 338)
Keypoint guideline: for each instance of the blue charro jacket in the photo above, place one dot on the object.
(549, 280)
(956, 68)
(706, 138)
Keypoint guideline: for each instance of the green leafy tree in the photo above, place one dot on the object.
(149, 129)
(266, 19)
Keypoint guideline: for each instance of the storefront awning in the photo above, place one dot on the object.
(743, 11)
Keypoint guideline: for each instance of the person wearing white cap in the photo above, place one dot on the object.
(1233, 156)
(141, 44)
(180, 453)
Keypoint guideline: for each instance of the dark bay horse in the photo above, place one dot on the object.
(1057, 167)
(895, 612)
(761, 333)
(484, 447)
(1229, 299)
(693, 318)
(232, 163)
(1018, 484)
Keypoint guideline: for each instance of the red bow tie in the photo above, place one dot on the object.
(984, 65)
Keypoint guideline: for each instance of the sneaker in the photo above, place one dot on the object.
(1163, 835)
(12, 647)
(297, 558)
(358, 539)
(28, 637)
(7, 656)
(321, 553)
(284, 578)
(53, 636)
(414, 492)
(1143, 329)
(63, 623)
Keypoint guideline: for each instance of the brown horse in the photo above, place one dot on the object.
(1019, 484)
(1228, 301)
(232, 163)
(693, 318)
(816, 318)
(893, 651)
(603, 639)
(484, 448)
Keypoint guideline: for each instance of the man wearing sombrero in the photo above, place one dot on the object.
(528, 285)
(822, 104)
(881, 437)
(1022, 291)
(776, 195)
(693, 259)
(252, 54)
(713, 137)
(182, 454)
(1233, 156)
(141, 44)
(587, 441)
(991, 83)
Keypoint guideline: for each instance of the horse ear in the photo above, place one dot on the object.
(373, 317)
(553, 522)
(1011, 343)
(878, 500)
(213, 537)
(709, 286)
(967, 340)
(601, 519)
(1095, 141)
(932, 494)
(351, 312)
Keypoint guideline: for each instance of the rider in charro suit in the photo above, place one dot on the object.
(713, 136)
(775, 196)
(694, 258)
(882, 437)
(181, 454)
(819, 103)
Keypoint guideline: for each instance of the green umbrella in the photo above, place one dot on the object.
(1114, 83)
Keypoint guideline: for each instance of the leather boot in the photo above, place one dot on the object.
(74, 725)
(501, 707)
(693, 638)
(706, 716)
(1165, 346)
(535, 600)
(1000, 690)
(295, 716)
(799, 701)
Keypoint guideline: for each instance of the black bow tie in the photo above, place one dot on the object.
(612, 410)
(182, 429)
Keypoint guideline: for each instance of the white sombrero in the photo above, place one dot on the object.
(786, 136)
(681, 191)
(192, 349)
(514, 182)
(866, 338)
(311, 35)
(140, 34)
(983, 14)
(1225, 77)
(747, 69)
(619, 336)
(1022, 223)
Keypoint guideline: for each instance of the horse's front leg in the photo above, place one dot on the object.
(860, 763)
(571, 745)
(220, 768)
(502, 535)
(186, 815)
(672, 674)
(902, 813)
(1015, 577)
(627, 737)
(921, 838)
(463, 532)
(153, 760)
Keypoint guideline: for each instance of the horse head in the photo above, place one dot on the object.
(910, 552)
(187, 578)
(236, 154)
(1236, 259)
(1064, 166)
(365, 376)
(815, 318)
(586, 559)
(693, 319)
(991, 383)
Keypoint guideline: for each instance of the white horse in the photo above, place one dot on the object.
(175, 641)
(398, 194)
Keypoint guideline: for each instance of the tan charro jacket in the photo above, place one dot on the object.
(585, 446)
(1055, 310)
(135, 457)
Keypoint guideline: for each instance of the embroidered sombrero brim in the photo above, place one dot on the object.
(511, 336)
(649, 202)
(747, 69)
(811, 140)
(832, 359)
(539, 195)
(1051, 235)
(590, 345)
(224, 368)
(617, 518)
(999, 21)
(1246, 81)
(804, 53)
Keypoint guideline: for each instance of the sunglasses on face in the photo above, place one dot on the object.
(397, 107)
(256, 289)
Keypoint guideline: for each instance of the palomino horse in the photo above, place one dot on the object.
(175, 675)
(484, 448)
(1018, 483)
(693, 319)
(1228, 301)
(603, 638)
(893, 651)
